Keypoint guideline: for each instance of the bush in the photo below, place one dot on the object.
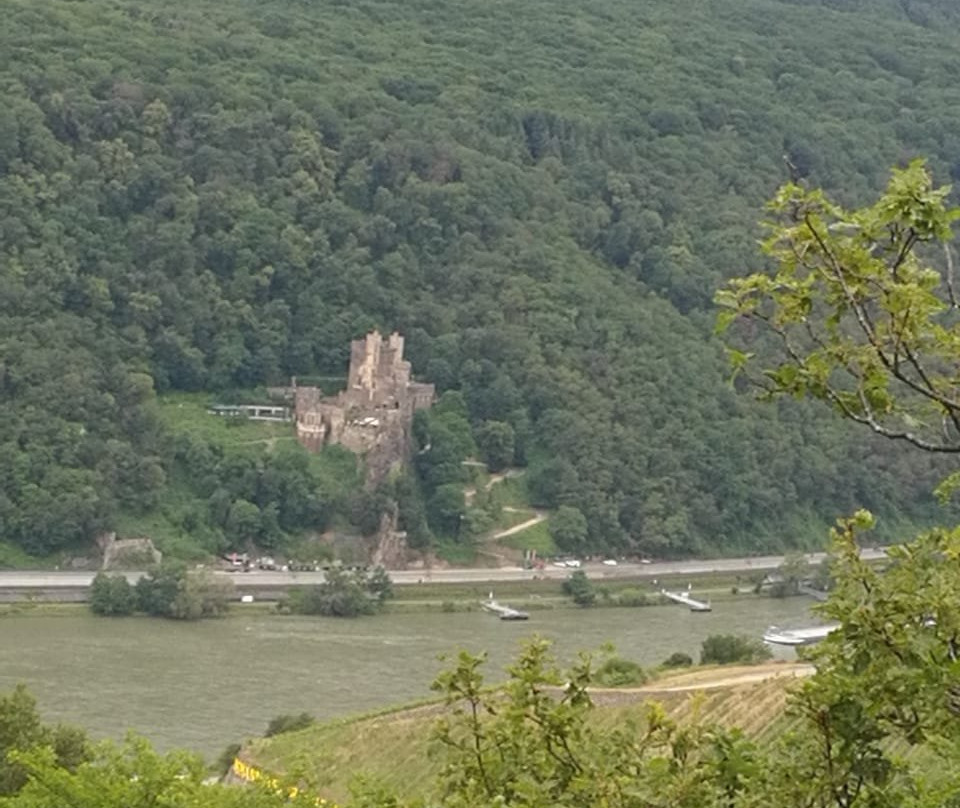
(288, 723)
(112, 595)
(578, 587)
(678, 659)
(632, 597)
(173, 591)
(723, 649)
(344, 594)
(619, 672)
(201, 594)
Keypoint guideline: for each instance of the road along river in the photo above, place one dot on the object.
(18, 585)
(203, 685)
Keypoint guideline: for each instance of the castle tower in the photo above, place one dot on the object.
(365, 364)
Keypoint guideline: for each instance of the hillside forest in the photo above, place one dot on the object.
(204, 199)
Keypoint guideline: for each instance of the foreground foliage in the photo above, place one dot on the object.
(21, 730)
(134, 776)
(863, 317)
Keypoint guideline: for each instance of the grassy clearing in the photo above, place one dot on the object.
(13, 557)
(507, 519)
(455, 553)
(471, 591)
(186, 414)
(512, 492)
(536, 537)
(718, 586)
(176, 525)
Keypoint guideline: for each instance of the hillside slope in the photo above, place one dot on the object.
(396, 749)
(541, 196)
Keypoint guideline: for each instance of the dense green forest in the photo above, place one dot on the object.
(543, 197)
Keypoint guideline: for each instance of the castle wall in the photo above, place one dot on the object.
(305, 399)
(311, 432)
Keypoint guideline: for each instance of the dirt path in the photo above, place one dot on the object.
(723, 677)
(536, 520)
(496, 477)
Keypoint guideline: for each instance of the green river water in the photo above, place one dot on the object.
(206, 684)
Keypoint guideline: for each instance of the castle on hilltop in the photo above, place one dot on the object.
(373, 416)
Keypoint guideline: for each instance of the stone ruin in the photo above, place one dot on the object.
(373, 416)
(127, 553)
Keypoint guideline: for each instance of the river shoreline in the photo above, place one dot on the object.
(530, 595)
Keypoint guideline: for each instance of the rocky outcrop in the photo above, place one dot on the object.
(391, 548)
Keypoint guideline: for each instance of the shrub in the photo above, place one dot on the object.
(722, 649)
(619, 672)
(678, 659)
(632, 597)
(578, 587)
(344, 594)
(172, 590)
(288, 723)
(112, 595)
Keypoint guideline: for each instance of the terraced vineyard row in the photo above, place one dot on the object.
(396, 748)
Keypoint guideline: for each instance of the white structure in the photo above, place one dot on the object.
(686, 600)
(797, 636)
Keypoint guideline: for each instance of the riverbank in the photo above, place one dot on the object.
(262, 584)
(534, 594)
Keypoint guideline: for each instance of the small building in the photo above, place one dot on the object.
(255, 412)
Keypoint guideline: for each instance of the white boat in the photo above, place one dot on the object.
(797, 636)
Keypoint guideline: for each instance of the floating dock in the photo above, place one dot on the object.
(686, 600)
(504, 612)
(797, 636)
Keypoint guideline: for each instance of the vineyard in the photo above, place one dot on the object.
(396, 748)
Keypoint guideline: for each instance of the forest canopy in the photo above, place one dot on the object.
(209, 197)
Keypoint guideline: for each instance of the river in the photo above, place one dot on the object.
(206, 684)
